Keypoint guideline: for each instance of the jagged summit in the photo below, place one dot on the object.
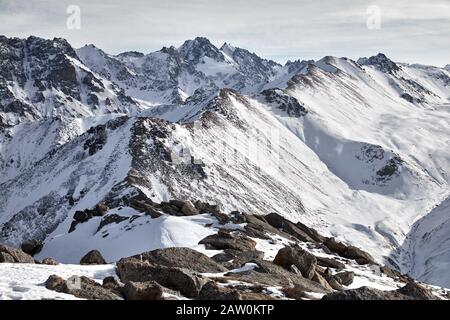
(195, 50)
(381, 62)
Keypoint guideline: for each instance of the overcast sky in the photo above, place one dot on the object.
(408, 31)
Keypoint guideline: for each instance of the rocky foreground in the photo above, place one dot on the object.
(248, 257)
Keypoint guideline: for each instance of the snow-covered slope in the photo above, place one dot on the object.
(359, 150)
(426, 251)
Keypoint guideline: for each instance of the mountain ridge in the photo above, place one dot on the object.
(357, 149)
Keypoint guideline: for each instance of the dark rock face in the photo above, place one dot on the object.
(93, 257)
(179, 258)
(381, 62)
(31, 247)
(303, 260)
(96, 139)
(285, 102)
(227, 240)
(350, 252)
(109, 219)
(11, 255)
(148, 290)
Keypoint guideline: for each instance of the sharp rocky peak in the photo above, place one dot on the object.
(194, 50)
(381, 62)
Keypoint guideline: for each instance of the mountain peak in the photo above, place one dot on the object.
(381, 62)
(194, 50)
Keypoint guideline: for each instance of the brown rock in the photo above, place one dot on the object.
(226, 240)
(11, 255)
(189, 209)
(148, 290)
(303, 260)
(180, 257)
(93, 257)
(50, 262)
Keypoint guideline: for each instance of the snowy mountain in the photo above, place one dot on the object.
(44, 78)
(172, 75)
(358, 150)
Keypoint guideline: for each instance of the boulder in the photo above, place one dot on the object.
(189, 209)
(345, 278)
(269, 274)
(100, 210)
(82, 216)
(148, 290)
(179, 257)
(146, 206)
(177, 203)
(257, 227)
(80, 287)
(31, 247)
(171, 209)
(11, 255)
(416, 291)
(55, 283)
(182, 280)
(233, 259)
(330, 263)
(365, 293)
(277, 221)
(212, 291)
(321, 280)
(50, 262)
(349, 252)
(303, 260)
(93, 257)
(111, 283)
(227, 240)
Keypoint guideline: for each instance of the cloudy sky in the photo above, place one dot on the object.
(406, 30)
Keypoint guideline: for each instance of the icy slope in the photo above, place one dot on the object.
(76, 175)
